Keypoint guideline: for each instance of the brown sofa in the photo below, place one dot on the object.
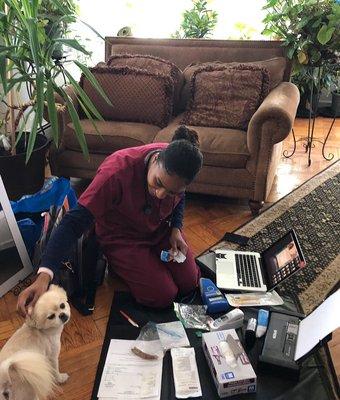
(239, 163)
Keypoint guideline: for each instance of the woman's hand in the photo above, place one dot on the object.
(177, 242)
(30, 295)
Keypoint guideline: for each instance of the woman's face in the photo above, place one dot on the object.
(160, 183)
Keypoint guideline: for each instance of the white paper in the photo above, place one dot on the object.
(322, 321)
(128, 377)
(186, 378)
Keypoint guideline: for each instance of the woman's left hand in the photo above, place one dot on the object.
(177, 242)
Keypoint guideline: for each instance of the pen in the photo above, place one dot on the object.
(132, 322)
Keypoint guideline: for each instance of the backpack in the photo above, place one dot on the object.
(83, 268)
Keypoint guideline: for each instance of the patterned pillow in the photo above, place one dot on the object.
(151, 64)
(136, 95)
(276, 67)
(226, 97)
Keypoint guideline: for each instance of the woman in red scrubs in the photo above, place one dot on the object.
(136, 200)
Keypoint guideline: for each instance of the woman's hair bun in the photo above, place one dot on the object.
(184, 133)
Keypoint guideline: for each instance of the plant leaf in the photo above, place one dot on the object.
(3, 73)
(73, 43)
(52, 112)
(39, 96)
(89, 117)
(86, 100)
(325, 34)
(32, 137)
(77, 126)
(92, 29)
(34, 41)
(93, 81)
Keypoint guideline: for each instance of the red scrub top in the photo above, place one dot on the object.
(131, 239)
(117, 195)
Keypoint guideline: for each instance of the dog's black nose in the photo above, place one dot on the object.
(63, 317)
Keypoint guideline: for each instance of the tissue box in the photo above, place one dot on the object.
(229, 381)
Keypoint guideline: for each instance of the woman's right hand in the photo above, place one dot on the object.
(30, 295)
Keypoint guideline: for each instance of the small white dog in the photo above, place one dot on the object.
(29, 365)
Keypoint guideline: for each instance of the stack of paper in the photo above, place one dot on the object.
(129, 377)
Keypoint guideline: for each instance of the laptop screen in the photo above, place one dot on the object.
(282, 259)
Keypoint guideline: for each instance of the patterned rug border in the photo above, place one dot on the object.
(278, 208)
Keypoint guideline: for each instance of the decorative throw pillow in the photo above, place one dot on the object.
(136, 95)
(276, 67)
(226, 97)
(151, 64)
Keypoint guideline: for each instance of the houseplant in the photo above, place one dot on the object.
(27, 65)
(310, 32)
(198, 22)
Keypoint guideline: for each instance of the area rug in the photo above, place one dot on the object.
(313, 210)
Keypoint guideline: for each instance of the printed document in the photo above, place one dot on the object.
(128, 377)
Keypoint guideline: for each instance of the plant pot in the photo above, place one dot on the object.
(20, 179)
(336, 103)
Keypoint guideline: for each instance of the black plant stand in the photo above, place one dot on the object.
(313, 111)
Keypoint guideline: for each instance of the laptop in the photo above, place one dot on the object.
(15, 263)
(259, 272)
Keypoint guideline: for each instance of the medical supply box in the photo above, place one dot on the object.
(229, 380)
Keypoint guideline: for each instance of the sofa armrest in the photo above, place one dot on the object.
(279, 109)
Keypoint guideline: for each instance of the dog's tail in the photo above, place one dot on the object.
(31, 368)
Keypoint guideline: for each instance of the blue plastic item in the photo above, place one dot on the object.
(52, 193)
(212, 297)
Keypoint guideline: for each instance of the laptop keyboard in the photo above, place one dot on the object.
(246, 268)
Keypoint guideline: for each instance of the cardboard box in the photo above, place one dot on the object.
(229, 381)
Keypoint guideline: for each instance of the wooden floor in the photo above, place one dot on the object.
(206, 220)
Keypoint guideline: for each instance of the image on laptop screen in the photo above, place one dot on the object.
(283, 259)
(15, 264)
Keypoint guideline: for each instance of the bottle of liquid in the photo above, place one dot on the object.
(250, 335)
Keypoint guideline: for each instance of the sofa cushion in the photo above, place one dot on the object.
(221, 147)
(114, 135)
(136, 95)
(226, 96)
(275, 66)
(151, 64)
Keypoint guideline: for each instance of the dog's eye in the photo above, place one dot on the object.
(51, 316)
(6, 394)
(62, 306)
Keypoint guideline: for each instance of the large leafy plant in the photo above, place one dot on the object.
(310, 30)
(30, 33)
(198, 22)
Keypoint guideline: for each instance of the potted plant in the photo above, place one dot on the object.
(28, 67)
(198, 22)
(310, 32)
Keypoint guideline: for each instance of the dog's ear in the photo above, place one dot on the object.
(58, 290)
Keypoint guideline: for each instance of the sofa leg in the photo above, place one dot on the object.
(255, 206)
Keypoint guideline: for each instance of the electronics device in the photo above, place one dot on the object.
(232, 320)
(212, 297)
(290, 340)
(235, 238)
(255, 272)
(15, 264)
